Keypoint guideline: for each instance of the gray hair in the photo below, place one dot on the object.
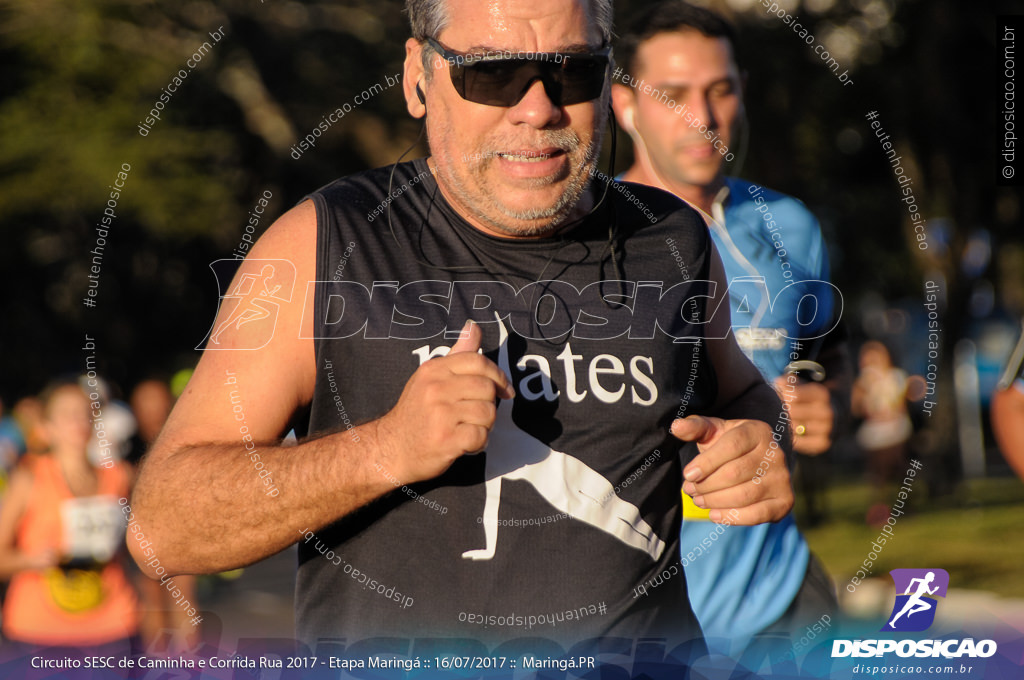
(428, 18)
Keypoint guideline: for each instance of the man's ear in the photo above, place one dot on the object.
(414, 75)
(624, 104)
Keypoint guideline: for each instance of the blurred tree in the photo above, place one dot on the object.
(79, 79)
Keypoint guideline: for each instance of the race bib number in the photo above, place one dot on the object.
(93, 527)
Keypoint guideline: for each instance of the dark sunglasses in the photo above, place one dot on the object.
(499, 80)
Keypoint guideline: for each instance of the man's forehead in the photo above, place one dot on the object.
(532, 25)
(686, 53)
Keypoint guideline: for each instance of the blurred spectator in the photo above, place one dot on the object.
(112, 420)
(61, 535)
(151, 402)
(1008, 409)
(880, 398)
(12, 445)
(28, 413)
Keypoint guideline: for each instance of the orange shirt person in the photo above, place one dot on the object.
(1007, 411)
(61, 530)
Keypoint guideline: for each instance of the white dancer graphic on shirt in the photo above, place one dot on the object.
(563, 480)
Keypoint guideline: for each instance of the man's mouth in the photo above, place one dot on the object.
(531, 163)
(526, 157)
(523, 158)
(697, 150)
(529, 156)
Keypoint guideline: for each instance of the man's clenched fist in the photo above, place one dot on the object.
(446, 410)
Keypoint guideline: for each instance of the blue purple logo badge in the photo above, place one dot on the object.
(916, 593)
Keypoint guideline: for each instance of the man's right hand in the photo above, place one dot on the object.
(446, 410)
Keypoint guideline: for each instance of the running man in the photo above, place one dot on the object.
(570, 289)
(682, 105)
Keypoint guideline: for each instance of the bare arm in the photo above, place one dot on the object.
(13, 560)
(1007, 415)
(200, 499)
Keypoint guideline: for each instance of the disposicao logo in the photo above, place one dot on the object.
(914, 610)
(917, 591)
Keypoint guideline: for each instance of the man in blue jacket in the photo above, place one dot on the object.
(680, 98)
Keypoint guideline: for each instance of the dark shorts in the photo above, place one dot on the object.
(812, 612)
(816, 597)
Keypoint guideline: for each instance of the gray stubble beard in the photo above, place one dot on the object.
(557, 213)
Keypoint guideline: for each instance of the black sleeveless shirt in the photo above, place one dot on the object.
(576, 500)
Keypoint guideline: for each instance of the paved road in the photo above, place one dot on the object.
(258, 604)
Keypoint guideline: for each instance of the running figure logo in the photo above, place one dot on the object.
(262, 285)
(914, 609)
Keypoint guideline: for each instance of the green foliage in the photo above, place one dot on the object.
(88, 73)
(976, 536)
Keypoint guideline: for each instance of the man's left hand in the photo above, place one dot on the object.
(732, 455)
(811, 416)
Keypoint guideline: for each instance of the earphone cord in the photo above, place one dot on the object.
(613, 225)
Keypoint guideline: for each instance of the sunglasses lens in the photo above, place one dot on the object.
(498, 82)
(582, 78)
(504, 82)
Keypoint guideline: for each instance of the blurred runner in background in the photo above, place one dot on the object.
(681, 101)
(61, 538)
(1008, 409)
(880, 398)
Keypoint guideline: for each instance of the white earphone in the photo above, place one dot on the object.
(629, 122)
